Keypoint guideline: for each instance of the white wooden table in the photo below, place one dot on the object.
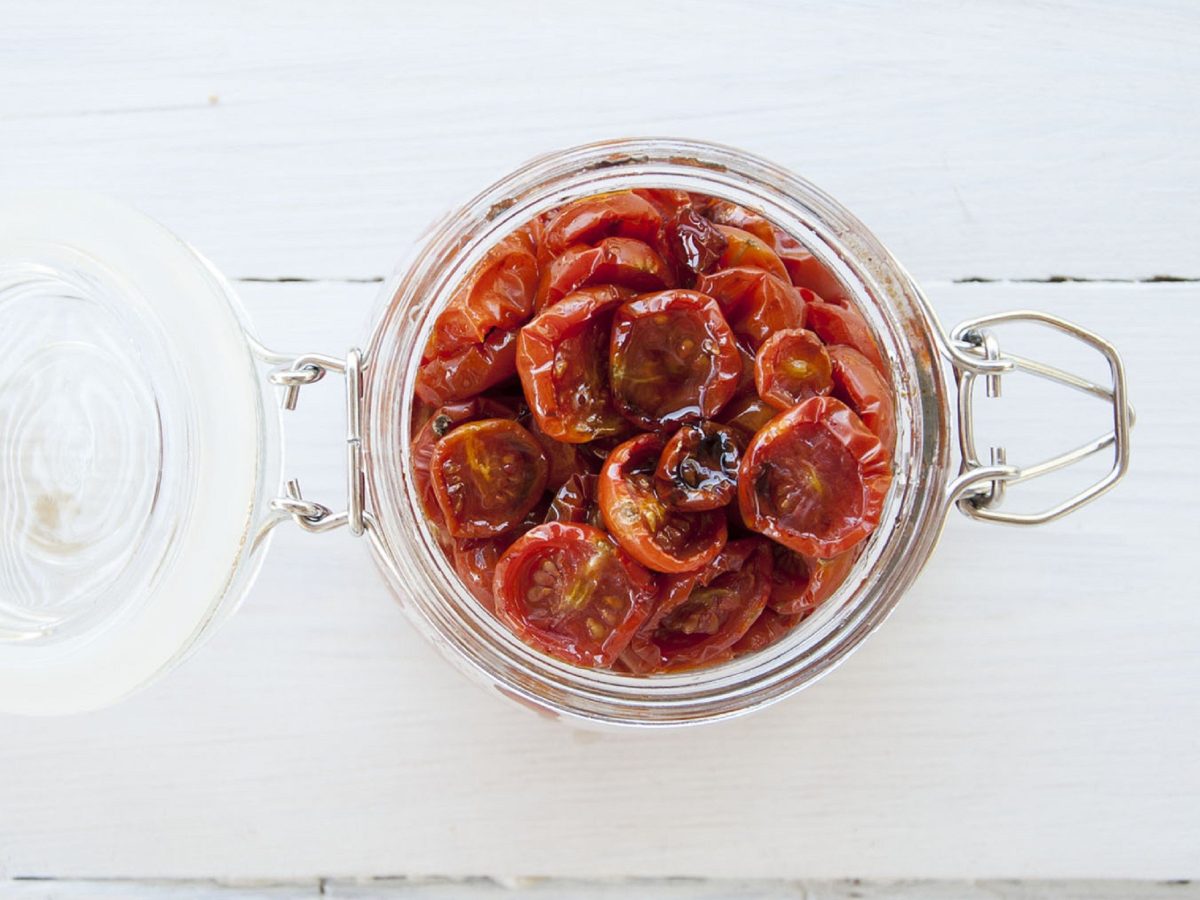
(1032, 710)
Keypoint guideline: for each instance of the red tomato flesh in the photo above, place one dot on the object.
(792, 365)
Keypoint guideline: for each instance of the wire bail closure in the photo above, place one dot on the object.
(309, 369)
(980, 488)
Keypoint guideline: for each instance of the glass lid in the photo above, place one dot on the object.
(136, 451)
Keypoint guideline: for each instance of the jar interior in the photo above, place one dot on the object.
(426, 582)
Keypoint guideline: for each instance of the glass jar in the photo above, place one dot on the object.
(937, 465)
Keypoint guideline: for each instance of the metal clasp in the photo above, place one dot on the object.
(309, 369)
(980, 488)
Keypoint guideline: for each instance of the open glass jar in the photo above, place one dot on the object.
(936, 463)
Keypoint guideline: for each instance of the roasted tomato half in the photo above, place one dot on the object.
(487, 476)
(475, 562)
(814, 479)
(745, 249)
(625, 262)
(860, 386)
(571, 592)
(755, 303)
(799, 584)
(577, 501)
(586, 221)
(498, 293)
(664, 539)
(698, 467)
(469, 370)
(747, 415)
(702, 614)
(673, 359)
(844, 325)
(792, 365)
(562, 358)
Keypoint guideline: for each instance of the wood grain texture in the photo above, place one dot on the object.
(316, 140)
(1029, 711)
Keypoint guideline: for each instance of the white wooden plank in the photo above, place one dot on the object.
(676, 889)
(1029, 711)
(981, 139)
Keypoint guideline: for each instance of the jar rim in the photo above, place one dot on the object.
(898, 313)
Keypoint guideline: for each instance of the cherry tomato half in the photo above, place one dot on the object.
(487, 476)
(814, 479)
(562, 359)
(625, 262)
(769, 627)
(470, 370)
(586, 221)
(695, 243)
(701, 615)
(859, 385)
(571, 592)
(845, 325)
(475, 562)
(799, 584)
(755, 303)
(673, 359)
(444, 420)
(745, 249)
(747, 415)
(792, 365)
(698, 468)
(498, 293)
(660, 538)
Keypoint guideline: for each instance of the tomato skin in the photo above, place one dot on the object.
(576, 501)
(747, 415)
(487, 476)
(570, 591)
(698, 468)
(661, 539)
(768, 628)
(755, 303)
(470, 370)
(792, 365)
(702, 614)
(586, 221)
(814, 479)
(475, 562)
(562, 360)
(696, 245)
(800, 584)
(743, 249)
(624, 262)
(498, 293)
(673, 359)
(845, 326)
(858, 384)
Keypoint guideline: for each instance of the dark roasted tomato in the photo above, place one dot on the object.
(769, 627)
(747, 250)
(487, 475)
(846, 326)
(576, 501)
(498, 293)
(799, 584)
(470, 370)
(695, 244)
(698, 467)
(756, 303)
(565, 460)
(814, 479)
(562, 358)
(859, 385)
(702, 614)
(586, 221)
(673, 359)
(444, 420)
(625, 262)
(571, 592)
(666, 540)
(792, 365)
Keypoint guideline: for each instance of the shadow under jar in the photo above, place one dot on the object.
(141, 472)
(922, 362)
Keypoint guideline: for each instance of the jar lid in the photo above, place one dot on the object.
(135, 450)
